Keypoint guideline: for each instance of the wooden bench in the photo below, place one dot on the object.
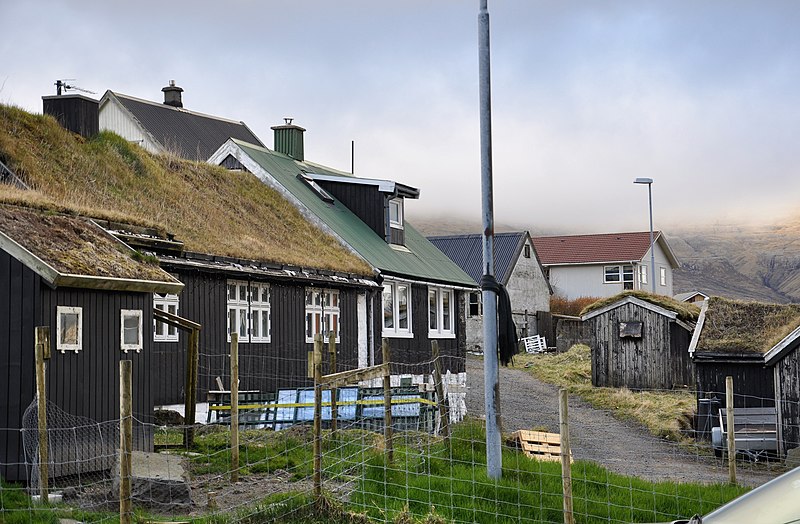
(755, 431)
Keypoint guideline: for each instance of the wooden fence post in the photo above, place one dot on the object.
(192, 357)
(125, 441)
(387, 403)
(317, 360)
(334, 408)
(234, 407)
(444, 415)
(42, 353)
(566, 456)
(731, 429)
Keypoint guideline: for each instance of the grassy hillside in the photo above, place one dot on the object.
(210, 209)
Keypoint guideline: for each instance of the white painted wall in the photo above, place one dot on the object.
(113, 118)
(587, 280)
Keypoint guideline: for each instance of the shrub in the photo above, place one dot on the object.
(563, 306)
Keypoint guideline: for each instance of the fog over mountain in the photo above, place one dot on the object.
(746, 262)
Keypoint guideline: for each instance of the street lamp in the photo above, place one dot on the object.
(649, 182)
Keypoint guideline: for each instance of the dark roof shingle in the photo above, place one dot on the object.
(467, 252)
(191, 135)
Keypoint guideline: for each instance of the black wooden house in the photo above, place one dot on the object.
(96, 297)
(784, 361)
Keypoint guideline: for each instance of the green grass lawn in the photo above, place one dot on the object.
(427, 482)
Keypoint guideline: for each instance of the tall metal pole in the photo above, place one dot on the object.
(652, 248)
(494, 458)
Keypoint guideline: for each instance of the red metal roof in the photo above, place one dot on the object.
(588, 249)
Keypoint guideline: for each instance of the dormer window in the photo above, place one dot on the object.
(396, 213)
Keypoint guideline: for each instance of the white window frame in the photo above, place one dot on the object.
(136, 346)
(395, 331)
(620, 274)
(643, 274)
(169, 303)
(323, 310)
(69, 310)
(249, 308)
(259, 308)
(438, 294)
(663, 275)
(397, 203)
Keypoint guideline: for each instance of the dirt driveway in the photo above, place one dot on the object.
(625, 448)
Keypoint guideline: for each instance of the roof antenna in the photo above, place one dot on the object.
(62, 84)
(287, 121)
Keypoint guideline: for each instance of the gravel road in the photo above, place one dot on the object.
(625, 448)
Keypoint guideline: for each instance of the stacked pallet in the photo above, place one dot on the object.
(539, 444)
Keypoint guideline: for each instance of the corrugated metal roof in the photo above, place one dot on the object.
(587, 249)
(421, 260)
(194, 136)
(467, 252)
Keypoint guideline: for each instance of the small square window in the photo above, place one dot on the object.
(131, 330)
(69, 327)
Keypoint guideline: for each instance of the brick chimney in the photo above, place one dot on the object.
(289, 139)
(172, 95)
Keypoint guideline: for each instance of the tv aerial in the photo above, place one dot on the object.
(62, 84)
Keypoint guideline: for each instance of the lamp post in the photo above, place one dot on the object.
(649, 182)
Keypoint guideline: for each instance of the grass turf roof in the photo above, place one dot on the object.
(73, 246)
(687, 312)
(212, 210)
(732, 326)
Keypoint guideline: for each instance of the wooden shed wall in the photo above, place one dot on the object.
(753, 384)
(85, 384)
(413, 355)
(787, 394)
(262, 366)
(657, 360)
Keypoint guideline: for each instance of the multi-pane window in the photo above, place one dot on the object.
(616, 274)
(131, 330)
(164, 332)
(69, 328)
(643, 274)
(322, 313)
(663, 275)
(474, 304)
(440, 312)
(396, 213)
(396, 309)
(249, 312)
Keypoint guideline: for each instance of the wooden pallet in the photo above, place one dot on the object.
(539, 444)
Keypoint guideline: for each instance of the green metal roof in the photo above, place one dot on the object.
(422, 260)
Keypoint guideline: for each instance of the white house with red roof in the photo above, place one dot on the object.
(605, 264)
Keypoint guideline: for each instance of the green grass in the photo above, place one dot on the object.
(457, 486)
(666, 414)
(427, 482)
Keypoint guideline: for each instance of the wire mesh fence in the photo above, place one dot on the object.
(625, 467)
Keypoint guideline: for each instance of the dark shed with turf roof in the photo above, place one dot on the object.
(94, 293)
(641, 341)
(784, 360)
(731, 339)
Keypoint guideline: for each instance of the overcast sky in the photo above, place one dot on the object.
(703, 97)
